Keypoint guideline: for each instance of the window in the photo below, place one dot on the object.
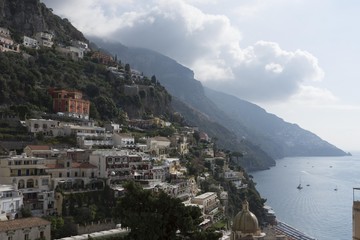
(76, 174)
(10, 238)
(42, 235)
(68, 174)
(60, 174)
(26, 236)
(44, 181)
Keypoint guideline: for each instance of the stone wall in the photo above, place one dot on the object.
(95, 227)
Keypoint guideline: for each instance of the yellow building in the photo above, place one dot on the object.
(29, 176)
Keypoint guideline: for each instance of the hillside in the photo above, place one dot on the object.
(31, 16)
(271, 132)
(266, 131)
(26, 80)
(27, 77)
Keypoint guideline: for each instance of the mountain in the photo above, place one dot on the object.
(247, 121)
(30, 16)
(28, 78)
(272, 133)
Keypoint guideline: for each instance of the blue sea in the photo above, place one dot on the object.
(317, 209)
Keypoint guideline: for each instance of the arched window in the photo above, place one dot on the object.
(21, 184)
(30, 183)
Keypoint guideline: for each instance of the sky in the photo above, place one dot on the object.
(298, 59)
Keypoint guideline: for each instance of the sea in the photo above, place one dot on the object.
(323, 207)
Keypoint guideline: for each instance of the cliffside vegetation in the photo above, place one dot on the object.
(26, 79)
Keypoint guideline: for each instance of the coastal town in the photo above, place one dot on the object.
(71, 159)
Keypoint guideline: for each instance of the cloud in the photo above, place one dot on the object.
(207, 43)
(313, 96)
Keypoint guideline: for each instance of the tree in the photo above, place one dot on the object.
(152, 215)
(153, 79)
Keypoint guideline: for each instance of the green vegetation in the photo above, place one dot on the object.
(26, 78)
(158, 216)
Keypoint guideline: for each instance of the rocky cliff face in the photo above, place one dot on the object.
(26, 17)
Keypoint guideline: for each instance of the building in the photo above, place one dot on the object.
(102, 58)
(11, 201)
(80, 44)
(356, 213)
(41, 151)
(245, 225)
(29, 176)
(122, 140)
(25, 228)
(235, 177)
(74, 53)
(158, 144)
(209, 202)
(6, 43)
(30, 42)
(121, 165)
(45, 39)
(71, 103)
(112, 127)
(76, 175)
(41, 125)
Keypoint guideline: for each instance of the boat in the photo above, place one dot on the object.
(335, 189)
(299, 186)
(307, 185)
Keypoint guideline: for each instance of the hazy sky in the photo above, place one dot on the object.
(298, 59)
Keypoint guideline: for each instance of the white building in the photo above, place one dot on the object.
(86, 136)
(11, 201)
(235, 177)
(41, 125)
(112, 127)
(209, 202)
(80, 44)
(122, 140)
(74, 53)
(30, 42)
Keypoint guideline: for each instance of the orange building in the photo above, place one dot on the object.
(103, 58)
(70, 103)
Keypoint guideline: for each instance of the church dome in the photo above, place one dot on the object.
(245, 221)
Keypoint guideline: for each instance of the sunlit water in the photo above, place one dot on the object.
(317, 209)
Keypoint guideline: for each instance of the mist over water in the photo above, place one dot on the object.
(317, 209)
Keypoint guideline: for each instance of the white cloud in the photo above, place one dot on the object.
(274, 67)
(313, 96)
(207, 43)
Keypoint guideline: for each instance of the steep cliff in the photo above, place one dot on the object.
(27, 17)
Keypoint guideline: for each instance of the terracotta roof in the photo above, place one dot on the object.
(82, 165)
(22, 223)
(54, 166)
(39, 147)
